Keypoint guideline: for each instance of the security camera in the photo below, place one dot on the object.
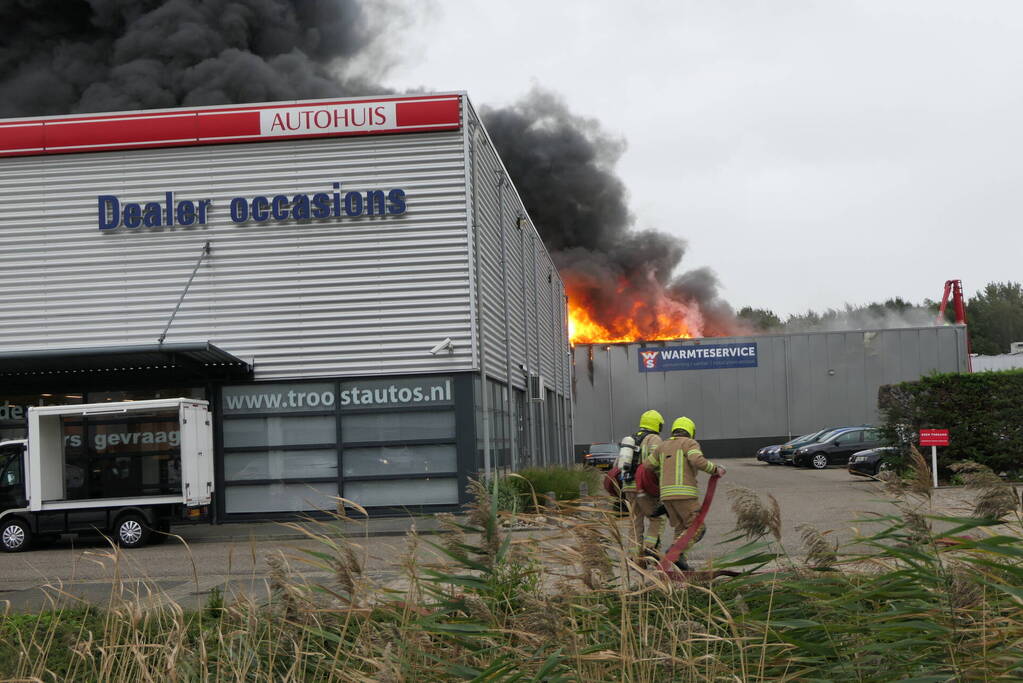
(446, 345)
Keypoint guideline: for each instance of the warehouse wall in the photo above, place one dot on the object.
(522, 315)
(328, 297)
(801, 383)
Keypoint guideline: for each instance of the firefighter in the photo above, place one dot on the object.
(677, 460)
(646, 525)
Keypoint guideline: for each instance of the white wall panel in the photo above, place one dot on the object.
(342, 296)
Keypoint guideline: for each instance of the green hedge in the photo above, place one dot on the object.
(983, 413)
(563, 481)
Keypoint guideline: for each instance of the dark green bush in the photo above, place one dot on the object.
(983, 413)
(563, 481)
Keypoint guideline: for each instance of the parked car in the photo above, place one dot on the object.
(836, 448)
(601, 455)
(787, 449)
(770, 454)
(869, 462)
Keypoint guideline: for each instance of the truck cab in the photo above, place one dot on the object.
(13, 491)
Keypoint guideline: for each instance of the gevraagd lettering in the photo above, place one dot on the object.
(350, 396)
(170, 211)
(103, 441)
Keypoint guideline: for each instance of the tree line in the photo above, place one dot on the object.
(994, 316)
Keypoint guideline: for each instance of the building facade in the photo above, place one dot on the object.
(353, 284)
(749, 392)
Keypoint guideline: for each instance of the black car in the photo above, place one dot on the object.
(870, 462)
(770, 454)
(836, 447)
(787, 449)
(601, 455)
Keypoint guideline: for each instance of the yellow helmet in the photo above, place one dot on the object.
(686, 424)
(651, 420)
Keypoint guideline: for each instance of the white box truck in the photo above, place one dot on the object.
(127, 469)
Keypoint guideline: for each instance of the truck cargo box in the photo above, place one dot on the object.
(138, 450)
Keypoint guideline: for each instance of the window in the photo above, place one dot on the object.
(847, 438)
(280, 447)
(380, 442)
(119, 456)
(398, 442)
(10, 469)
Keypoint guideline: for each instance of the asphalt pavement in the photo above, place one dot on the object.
(233, 557)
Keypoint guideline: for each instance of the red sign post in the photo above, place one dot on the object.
(934, 438)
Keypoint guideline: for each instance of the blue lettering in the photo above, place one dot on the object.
(397, 200)
(321, 205)
(239, 210)
(353, 204)
(375, 200)
(170, 208)
(132, 215)
(300, 207)
(260, 209)
(279, 208)
(109, 212)
(151, 215)
(186, 212)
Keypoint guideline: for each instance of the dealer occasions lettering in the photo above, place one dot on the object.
(170, 211)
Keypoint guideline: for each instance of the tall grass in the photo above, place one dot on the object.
(920, 597)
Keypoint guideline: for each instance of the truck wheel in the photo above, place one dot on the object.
(14, 535)
(131, 531)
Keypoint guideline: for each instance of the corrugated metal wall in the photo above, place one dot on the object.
(520, 292)
(334, 297)
(802, 382)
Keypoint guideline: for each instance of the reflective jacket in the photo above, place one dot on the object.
(677, 460)
(646, 448)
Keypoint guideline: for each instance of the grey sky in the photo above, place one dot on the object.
(812, 153)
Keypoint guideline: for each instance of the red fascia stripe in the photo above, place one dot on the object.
(23, 136)
(214, 125)
(437, 112)
(124, 131)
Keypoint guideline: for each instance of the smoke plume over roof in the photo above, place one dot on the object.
(73, 56)
(563, 166)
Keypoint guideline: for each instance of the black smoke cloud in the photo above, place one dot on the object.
(76, 56)
(564, 168)
(70, 56)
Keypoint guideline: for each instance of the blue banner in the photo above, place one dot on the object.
(702, 357)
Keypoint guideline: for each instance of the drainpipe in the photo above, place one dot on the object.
(507, 325)
(610, 398)
(484, 405)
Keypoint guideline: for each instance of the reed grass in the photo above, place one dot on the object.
(921, 597)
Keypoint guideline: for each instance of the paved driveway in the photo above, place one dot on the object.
(828, 499)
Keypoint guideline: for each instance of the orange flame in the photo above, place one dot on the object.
(664, 319)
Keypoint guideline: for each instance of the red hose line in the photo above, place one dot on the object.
(668, 561)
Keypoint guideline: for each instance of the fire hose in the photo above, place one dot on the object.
(668, 561)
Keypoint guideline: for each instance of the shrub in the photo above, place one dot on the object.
(983, 413)
(563, 481)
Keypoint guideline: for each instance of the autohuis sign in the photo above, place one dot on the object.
(168, 210)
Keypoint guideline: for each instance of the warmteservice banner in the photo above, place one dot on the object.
(698, 357)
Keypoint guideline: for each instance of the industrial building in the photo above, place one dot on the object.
(353, 284)
(749, 392)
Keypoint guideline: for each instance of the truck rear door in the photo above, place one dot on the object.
(196, 455)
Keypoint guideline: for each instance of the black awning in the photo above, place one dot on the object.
(138, 364)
